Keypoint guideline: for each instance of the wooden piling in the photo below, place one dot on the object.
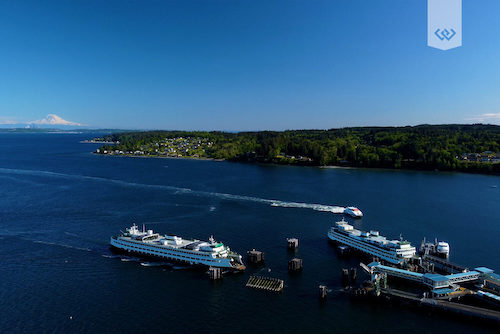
(255, 256)
(342, 249)
(215, 273)
(292, 243)
(295, 264)
(345, 277)
(322, 291)
(354, 274)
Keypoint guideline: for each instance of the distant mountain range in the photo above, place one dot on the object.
(51, 121)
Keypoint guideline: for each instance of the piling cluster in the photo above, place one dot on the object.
(215, 273)
(295, 265)
(292, 243)
(349, 277)
(255, 256)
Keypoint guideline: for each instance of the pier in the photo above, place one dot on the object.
(432, 280)
(445, 265)
(400, 294)
(265, 283)
(443, 304)
(462, 309)
(445, 288)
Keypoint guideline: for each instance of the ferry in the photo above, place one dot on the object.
(173, 248)
(372, 243)
(353, 212)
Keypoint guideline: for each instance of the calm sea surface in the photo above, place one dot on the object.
(59, 204)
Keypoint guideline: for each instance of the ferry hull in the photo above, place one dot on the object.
(153, 258)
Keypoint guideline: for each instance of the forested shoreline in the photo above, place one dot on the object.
(472, 148)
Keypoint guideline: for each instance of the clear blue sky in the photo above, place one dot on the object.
(245, 65)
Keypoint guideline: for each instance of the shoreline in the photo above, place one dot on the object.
(158, 157)
(96, 142)
(298, 165)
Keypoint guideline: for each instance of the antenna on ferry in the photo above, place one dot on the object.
(401, 236)
(143, 228)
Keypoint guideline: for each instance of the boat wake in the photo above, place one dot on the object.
(61, 245)
(316, 207)
(144, 263)
(274, 202)
(130, 259)
(155, 264)
(181, 191)
(181, 268)
(111, 256)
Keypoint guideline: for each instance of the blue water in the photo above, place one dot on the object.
(59, 204)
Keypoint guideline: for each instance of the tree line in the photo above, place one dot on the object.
(415, 147)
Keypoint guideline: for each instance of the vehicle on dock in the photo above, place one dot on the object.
(176, 249)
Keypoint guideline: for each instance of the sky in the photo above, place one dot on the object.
(244, 65)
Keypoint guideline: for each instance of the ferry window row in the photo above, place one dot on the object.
(177, 249)
(166, 253)
(367, 247)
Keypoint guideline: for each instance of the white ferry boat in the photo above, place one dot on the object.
(353, 212)
(372, 243)
(173, 248)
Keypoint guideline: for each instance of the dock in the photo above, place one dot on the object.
(445, 265)
(266, 283)
(401, 294)
(463, 309)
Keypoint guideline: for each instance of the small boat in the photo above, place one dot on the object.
(353, 212)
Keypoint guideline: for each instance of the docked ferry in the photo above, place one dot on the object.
(372, 243)
(173, 248)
